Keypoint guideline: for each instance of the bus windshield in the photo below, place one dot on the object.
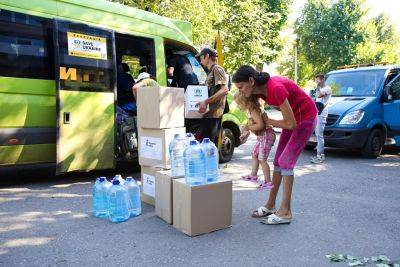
(356, 83)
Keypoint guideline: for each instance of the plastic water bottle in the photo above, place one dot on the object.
(177, 147)
(135, 207)
(119, 202)
(119, 178)
(194, 164)
(211, 159)
(189, 137)
(100, 197)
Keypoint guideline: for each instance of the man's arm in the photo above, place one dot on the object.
(222, 92)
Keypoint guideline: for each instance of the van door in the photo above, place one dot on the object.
(392, 109)
(86, 81)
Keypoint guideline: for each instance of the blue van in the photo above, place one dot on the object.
(364, 111)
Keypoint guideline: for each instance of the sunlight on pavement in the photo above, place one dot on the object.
(68, 185)
(30, 241)
(16, 227)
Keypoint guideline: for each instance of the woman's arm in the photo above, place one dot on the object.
(258, 124)
(288, 122)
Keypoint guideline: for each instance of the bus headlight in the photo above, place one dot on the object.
(353, 117)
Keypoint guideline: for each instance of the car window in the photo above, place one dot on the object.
(395, 88)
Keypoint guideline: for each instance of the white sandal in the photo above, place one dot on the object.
(273, 219)
(262, 212)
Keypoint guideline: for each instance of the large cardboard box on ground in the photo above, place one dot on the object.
(193, 95)
(148, 187)
(164, 208)
(202, 209)
(153, 146)
(160, 107)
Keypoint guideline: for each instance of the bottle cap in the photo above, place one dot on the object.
(129, 179)
(193, 142)
(102, 179)
(206, 140)
(115, 182)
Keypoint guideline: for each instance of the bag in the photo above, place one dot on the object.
(320, 107)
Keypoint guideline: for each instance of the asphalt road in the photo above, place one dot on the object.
(349, 205)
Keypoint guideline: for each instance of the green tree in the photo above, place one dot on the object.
(329, 32)
(250, 29)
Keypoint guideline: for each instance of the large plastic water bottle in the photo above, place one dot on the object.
(135, 207)
(100, 197)
(119, 178)
(211, 159)
(119, 202)
(190, 137)
(194, 164)
(177, 147)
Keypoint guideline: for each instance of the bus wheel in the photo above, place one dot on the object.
(227, 146)
(373, 146)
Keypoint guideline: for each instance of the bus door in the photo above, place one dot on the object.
(86, 80)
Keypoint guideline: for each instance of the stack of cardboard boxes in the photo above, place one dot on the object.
(194, 210)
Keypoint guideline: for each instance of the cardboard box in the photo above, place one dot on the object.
(153, 146)
(148, 186)
(164, 208)
(193, 95)
(160, 107)
(202, 209)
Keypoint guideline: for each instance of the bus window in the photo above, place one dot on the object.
(26, 46)
(137, 52)
(86, 58)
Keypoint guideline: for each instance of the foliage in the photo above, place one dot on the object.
(249, 28)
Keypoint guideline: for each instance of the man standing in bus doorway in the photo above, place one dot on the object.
(217, 91)
(323, 95)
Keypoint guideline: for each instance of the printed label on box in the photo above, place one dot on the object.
(151, 147)
(149, 185)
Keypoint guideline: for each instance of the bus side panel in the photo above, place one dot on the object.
(27, 106)
(27, 103)
(27, 154)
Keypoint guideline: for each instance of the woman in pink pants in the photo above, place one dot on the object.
(299, 115)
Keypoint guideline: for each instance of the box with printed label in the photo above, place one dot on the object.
(153, 146)
(202, 209)
(193, 95)
(160, 107)
(164, 208)
(148, 187)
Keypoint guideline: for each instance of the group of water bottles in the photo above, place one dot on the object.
(198, 162)
(117, 200)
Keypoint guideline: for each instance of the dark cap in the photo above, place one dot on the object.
(206, 51)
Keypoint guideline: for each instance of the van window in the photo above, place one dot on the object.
(356, 83)
(395, 86)
(26, 46)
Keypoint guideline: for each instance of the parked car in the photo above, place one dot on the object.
(364, 111)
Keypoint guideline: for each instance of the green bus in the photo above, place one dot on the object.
(58, 71)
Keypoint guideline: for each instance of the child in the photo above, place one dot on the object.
(257, 124)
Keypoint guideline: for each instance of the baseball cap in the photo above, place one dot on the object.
(141, 76)
(206, 51)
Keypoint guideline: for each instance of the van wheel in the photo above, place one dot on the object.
(227, 147)
(373, 146)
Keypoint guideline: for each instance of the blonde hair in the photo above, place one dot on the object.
(247, 103)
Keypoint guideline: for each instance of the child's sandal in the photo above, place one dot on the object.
(251, 178)
(266, 186)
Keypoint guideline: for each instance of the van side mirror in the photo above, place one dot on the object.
(387, 94)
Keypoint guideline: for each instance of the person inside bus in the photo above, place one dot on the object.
(125, 82)
(144, 79)
(181, 71)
